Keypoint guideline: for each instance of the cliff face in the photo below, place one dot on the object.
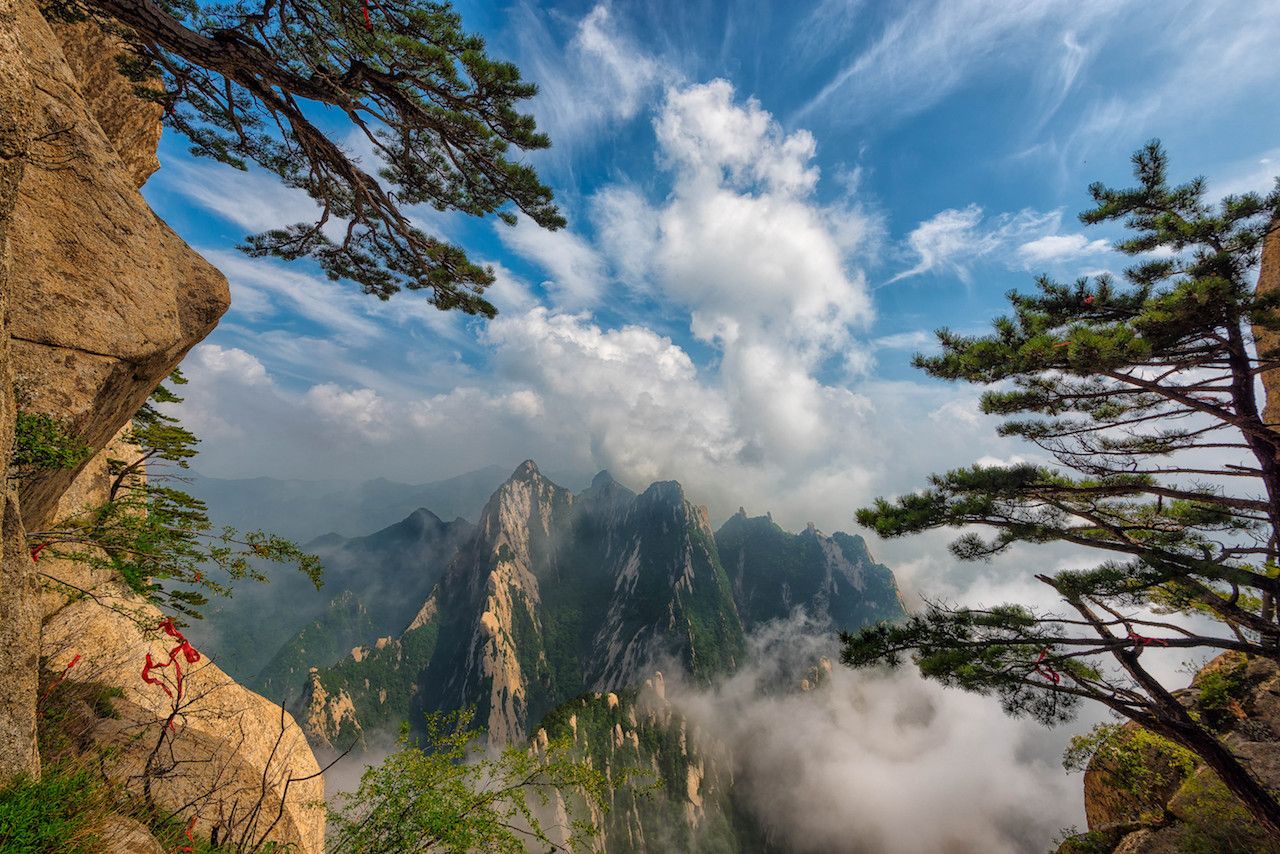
(100, 301)
(672, 784)
(773, 571)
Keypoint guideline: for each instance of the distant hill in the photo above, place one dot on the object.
(305, 509)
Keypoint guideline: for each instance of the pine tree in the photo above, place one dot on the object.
(1137, 390)
(153, 535)
(264, 82)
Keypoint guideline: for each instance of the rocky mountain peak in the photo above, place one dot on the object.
(602, 479)
(527, 470)
(664, 492)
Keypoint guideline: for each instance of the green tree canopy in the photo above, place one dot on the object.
(1138, 390)
(438, 797)
(264, 81)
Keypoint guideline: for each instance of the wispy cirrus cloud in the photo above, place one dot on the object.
(930, 49)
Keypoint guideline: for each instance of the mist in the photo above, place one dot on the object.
(880, 761)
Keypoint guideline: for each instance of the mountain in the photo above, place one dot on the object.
(556, 594)
(271, 635)
(834, 577)
(672, 783)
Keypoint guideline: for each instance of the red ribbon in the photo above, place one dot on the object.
(1088, 300)
(55, 683)
(191, 839)
(368, 24)
(189, 654)
(1046, 670)
(35, 553)
(1142, 640)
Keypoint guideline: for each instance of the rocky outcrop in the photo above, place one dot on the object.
(1154, 803)
(104, 298)
(233, 759)
(101, 300)
(672, 784)
(833, 576)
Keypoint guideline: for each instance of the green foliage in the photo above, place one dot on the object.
(1212, 821)
(58, 812)
(1071, 841)
(430, 797)
(157, 538)
(1219, 692)
(246, 83)
(1136, 761)
(42, 443)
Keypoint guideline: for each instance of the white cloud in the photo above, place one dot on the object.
(578, 275)
(254, 200)
(878, 761)
(229, 361)
(360, 410)
(707, 137)
(953, 240)
(964, 410)
(602, 77)
(929, 49)
(1056, 248)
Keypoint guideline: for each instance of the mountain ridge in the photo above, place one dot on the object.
(555, 594)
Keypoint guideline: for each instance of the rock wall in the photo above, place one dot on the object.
(107, 298)
(19, 620)
(100, 301)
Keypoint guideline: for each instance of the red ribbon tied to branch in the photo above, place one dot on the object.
(368, 24)
(35, 553)
(1046, 670)
(189, 654)
(55, 683)
(1143, 640)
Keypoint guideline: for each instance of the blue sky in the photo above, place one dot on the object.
(770, 206)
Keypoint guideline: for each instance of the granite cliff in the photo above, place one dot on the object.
(100, 300)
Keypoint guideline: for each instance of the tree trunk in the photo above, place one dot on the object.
(1260, 803)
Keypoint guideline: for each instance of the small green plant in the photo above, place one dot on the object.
(43, 443)
(1220, 693)
(58, 812)
(1071, 841)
